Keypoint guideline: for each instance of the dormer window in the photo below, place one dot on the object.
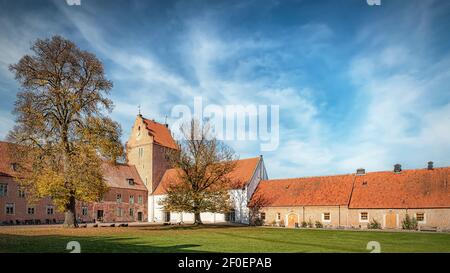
(130, 181)
(14, 167)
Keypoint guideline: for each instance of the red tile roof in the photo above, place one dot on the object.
(116, 176)
(240, 176)
(419, 188)
(5, 161)
(308, 191)
(161, 134)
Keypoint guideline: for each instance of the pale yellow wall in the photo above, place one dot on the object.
(143, 163)
(349, 218)
(433, 217)
(338, 214)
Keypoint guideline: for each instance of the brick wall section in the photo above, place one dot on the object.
(21, 205)
(110, 207)
(160, 164)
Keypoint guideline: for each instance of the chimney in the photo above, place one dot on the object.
(397, 168)
(360, 171)
(430, 165)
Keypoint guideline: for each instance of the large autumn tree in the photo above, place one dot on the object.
(62, 132)
(203, 165)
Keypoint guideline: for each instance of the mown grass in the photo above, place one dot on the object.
(215, 239)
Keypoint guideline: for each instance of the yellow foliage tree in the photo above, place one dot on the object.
(62, 134)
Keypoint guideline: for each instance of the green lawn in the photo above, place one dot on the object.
(215, 239)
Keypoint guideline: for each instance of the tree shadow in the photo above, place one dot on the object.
(192, 227)
(92, 244)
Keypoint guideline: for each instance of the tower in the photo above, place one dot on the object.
(146, 148)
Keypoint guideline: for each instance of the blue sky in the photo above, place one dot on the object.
(357, 85)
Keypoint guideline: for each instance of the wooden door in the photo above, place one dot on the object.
(391, 220)
(292, 218)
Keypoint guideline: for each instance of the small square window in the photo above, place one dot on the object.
(130, 181)
(50, 210)
(21, 193)
(420, 217)
(131, 199)
(119, 198)
(31, 210)
(326, 217)
(9, 207)
(263, 216)
(364, 216)
(278, 216)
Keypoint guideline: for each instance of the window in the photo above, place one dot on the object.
(278, 216)
(146, 182)
(263, 216)
(364, 217)
(167, 216)
(31, 210)
(140, 200)
(9, 208)
(3, 189)
(131, 199)
(420, 217)
(131, 212)
(130, 181)
(21, 193)
(326, 217)
(84, 211)
(119, 198)
(50, 210)
(119, 212)
(14, 167)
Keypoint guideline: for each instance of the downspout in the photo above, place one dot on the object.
(339, 218)
(303, 213)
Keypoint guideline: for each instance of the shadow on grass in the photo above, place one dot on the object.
(191, 227)
(304, 246)
(94, 244)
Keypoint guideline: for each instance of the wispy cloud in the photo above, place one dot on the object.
(352, 94)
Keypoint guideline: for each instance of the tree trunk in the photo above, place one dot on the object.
(198, 220)
(70, 214)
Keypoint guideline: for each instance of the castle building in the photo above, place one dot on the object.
(146, 148)
(355, 200)
(126, 200)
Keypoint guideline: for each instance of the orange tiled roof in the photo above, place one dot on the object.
(161, 134)
(308, 191)
(420, 188)
(240, 176)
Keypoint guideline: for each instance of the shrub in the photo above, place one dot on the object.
(409, 223)
(374, 224)
(304, 224)
(282, 223)
(258, 222)
(319, 224)
(274, 223)
(310, 224)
